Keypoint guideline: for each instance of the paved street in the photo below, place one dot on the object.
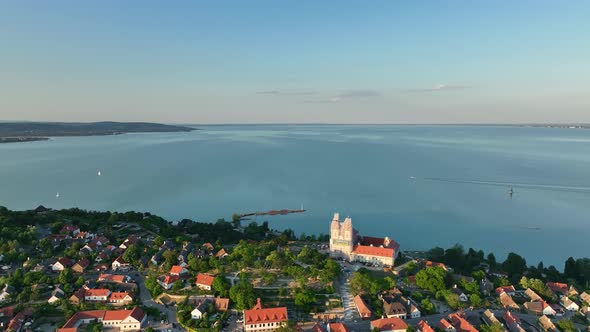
(148, 301)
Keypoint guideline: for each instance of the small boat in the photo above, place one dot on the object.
(57, 195)
(99, 173)
(412, 177)
(510, 192)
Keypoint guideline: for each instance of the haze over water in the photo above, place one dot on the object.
(424, 186)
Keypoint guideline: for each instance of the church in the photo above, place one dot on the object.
(346, 243)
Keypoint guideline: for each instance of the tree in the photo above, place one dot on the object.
(475, 300)
(66, 276)
(495, 327)
(132, 254)
(566, 325)
(492, 260)
(242, 294)
(427, 306)
(478, 275)
(220, 286)
(431, 278)
(570, 270)
(304, 298)
(514, 264)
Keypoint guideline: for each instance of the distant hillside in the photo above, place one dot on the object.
(48, 129)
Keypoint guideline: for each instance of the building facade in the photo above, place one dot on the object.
(346, 243)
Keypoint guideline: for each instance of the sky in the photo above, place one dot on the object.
(305, 61)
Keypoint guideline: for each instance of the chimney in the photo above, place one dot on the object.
(258, 304)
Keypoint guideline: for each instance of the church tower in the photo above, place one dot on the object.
(341, 237)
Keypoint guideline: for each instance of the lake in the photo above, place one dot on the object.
(424, 186)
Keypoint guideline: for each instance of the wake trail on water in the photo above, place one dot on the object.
(534, 186)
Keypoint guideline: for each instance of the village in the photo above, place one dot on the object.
(65, 271)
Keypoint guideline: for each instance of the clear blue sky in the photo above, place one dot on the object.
(295, 61)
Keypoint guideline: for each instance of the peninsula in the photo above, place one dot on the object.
(13, 132)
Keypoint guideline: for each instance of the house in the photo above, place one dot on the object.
(394, 309)
(99, 294)
(423, 326)
(178, 271)
(460, 324)
(120, 298)
(489, 318)
(393, 324)
(585, 297)
(568, 304)
(445, 325)
(316, 328)
(204, 281)
(101, 267)
(460, 293)
(70, 230)
(132, 239)
(56, 295)
(16, 323)
(112, 278)
(120, 264)
(6, 293)
(264, 319)
(81, 265)
(337, 327)
(546, 324)
(414, 311)
(201, 308)
(221, 304)
(506, 289)
(61, 264)
(572, 292)
(166, 281)
(585, 311)
(508, 302)
(539, 308)
(558, 288)
(208, 246)
(124, 320)
(558, 309)
(513, 322)
(78, 296)
(532, 295)
(362, 308)
(221, 254)
(433, 264)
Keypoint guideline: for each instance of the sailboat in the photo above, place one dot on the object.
(510, 192)
(99, 174)
(57, 195)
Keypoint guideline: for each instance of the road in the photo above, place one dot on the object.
(148, 301)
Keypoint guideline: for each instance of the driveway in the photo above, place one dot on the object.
(148, 301)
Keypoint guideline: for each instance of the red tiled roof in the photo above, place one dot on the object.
(373, 251)
(7, 311)
(338, 327)
(423, 326)
(208, 245)
(221, 253)
(83, 263)
(444, 324)
(176, 269)
(505, 289)
(118, 296)
(432, 264)
(510, 319)
(204, 279)
(221, 304)
(170, 279)
(317, 328)
(362, 307)
(97, 292)
(65, 261)
(558, 287)
(111, 277)
(461, 324)
(123, 314)
(389, 324)
(266, 315)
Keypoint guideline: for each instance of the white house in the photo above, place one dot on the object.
(201, 309)
(61, 264)
(56, 295)
(204, 281)
(119, 298)
(101, 294)
(569, 304)
(120, 264)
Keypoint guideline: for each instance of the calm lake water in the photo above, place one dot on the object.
(422, 185)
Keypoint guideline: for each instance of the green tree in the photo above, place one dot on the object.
(242, 294)
(132, 254)
(495, 327)
(514, 264)
(475, 300)
(304, 298)
(66, 276)
(566, 325)
(431, 278)
(220, 286)
(427, 306)
(478, 275)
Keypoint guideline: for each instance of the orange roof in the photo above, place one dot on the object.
(432, 264)
(266, 315)
(221, 304)
(461, 324)
(505, 289)
(389, 324)
(90, 314)
(337, 327)
(97, 292)
(136, 313)
(373, 251)
(221, 253)
(510, 319)
(111, 277)
(444, 324)
(170, 279)
(204, 279)
(7, 311)
(423, 326)
(176, 269)
(362, 307)
(118, 296)
(557, 287)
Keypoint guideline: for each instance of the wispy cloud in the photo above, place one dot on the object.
(440, 87)
(349, 94)
(286, 93)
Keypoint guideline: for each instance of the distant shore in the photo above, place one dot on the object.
(16, 132)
